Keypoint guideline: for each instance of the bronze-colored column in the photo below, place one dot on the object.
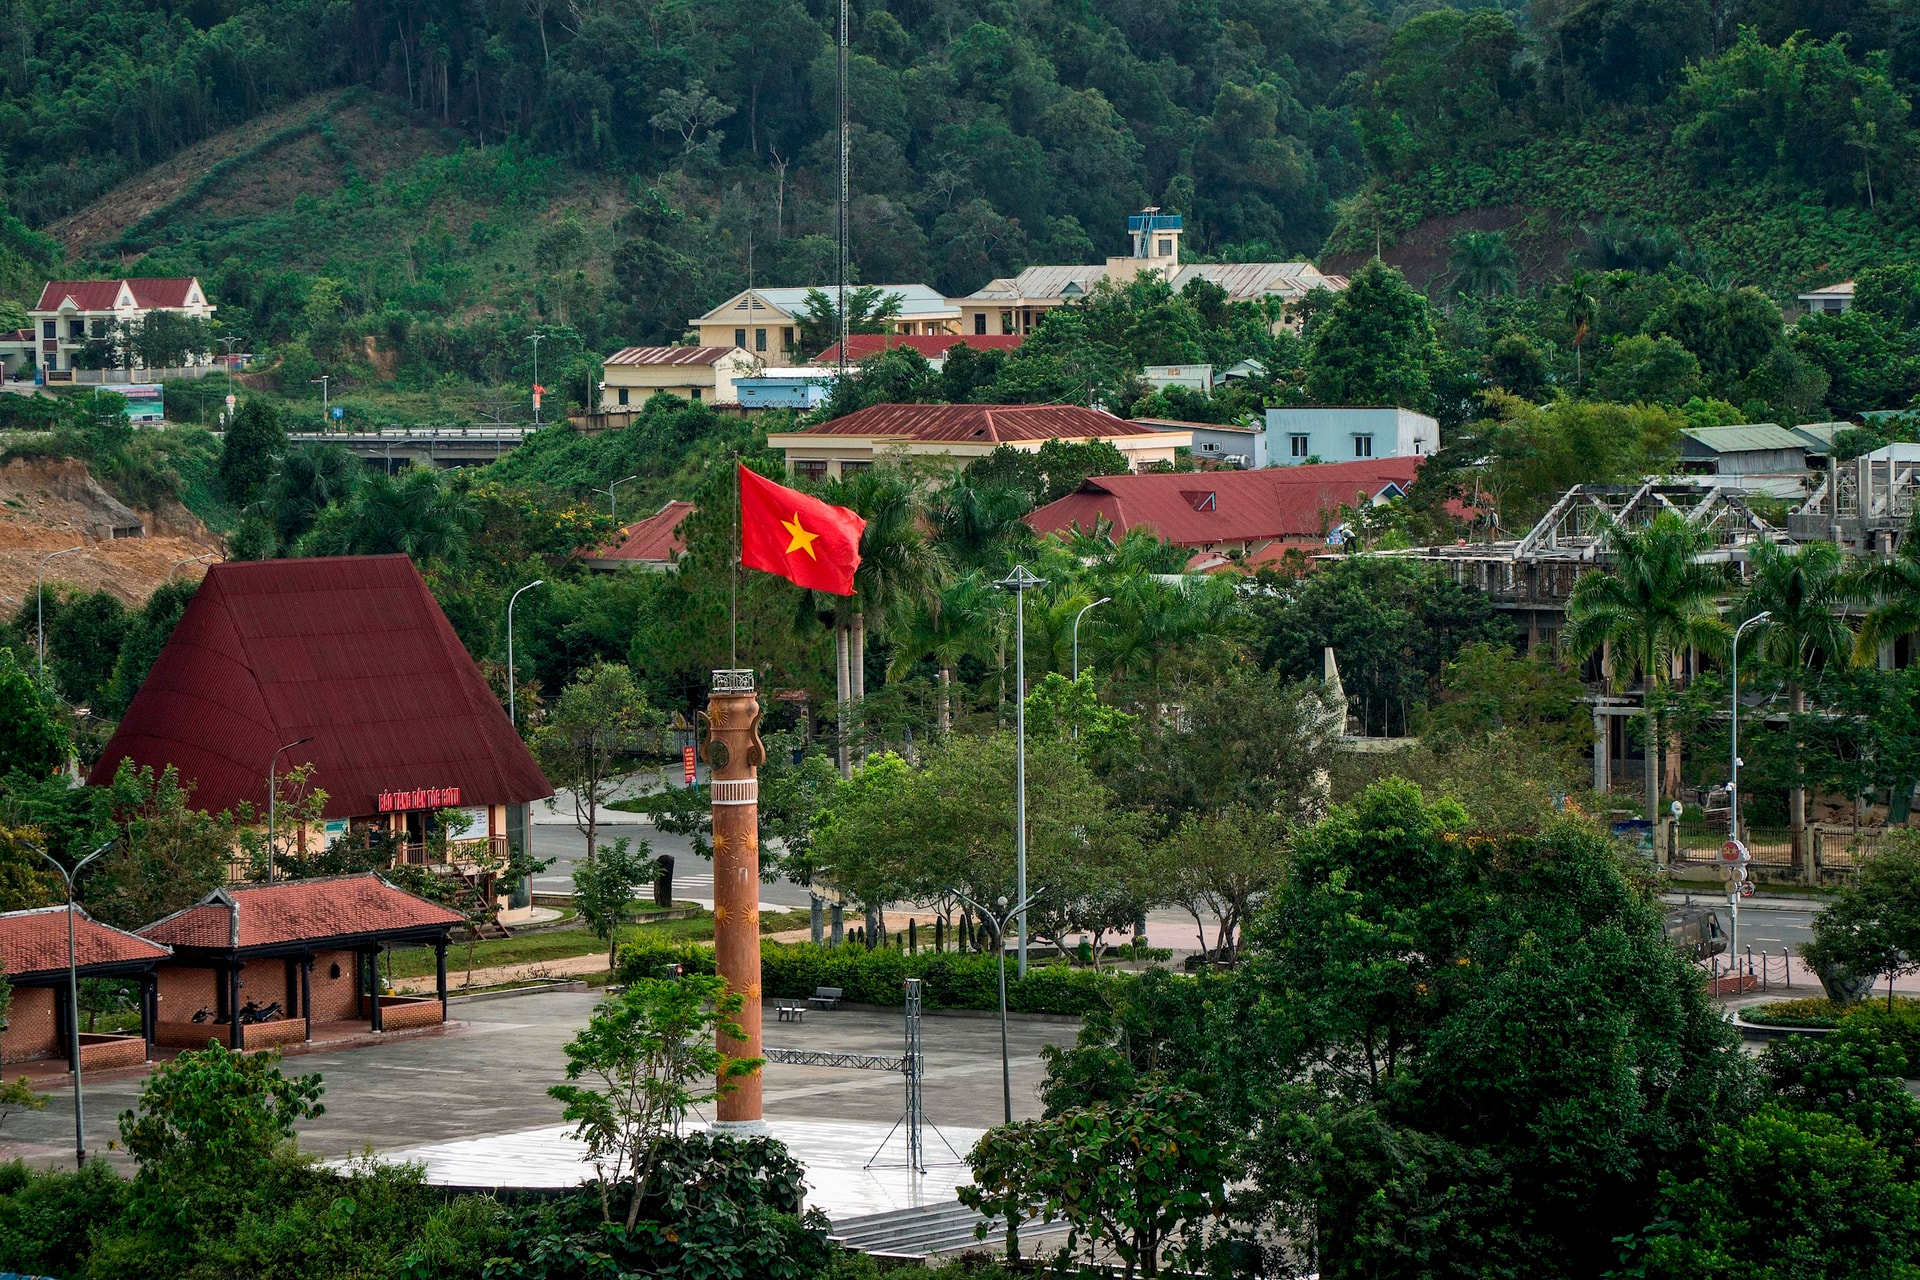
(734, 755)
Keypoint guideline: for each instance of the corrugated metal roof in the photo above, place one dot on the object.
(1819, 435)
(1198, 508)
(1174, 424)
(1245, 281)
(931, 345)
(984, 423)
(99, 295)
(1757, 437)
(351, 650)
(917, 301)
(1041, 282)
(239, 917)
(670, 355)
(35, 942)
(657, 538)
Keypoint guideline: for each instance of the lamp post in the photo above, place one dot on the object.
(73, 1000)
(273, 798)
(534, 338)
(325, 419)
(1076, 633)
(1020, 581)
(613, 510)
(39, 610)
(513, 679)
(179, 565)
(999, 924)
(1733, 793)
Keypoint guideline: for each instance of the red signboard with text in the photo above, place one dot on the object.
(419, 798)
(686, 759)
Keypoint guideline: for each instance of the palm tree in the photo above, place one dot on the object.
(1579, 311)
(311, 479)
(960, 624)
(981, 525)
(418, 515)
(1655, 602)
(1483, 264)
(1805, 589)
(1891, 588)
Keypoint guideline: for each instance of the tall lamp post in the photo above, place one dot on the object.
(326, 409)
(1076, 633)
(1733, 792)
(613, 510)
(1020, 581)
(273, 797)
(512, 678)
(999, 923)
(39, 590)
(73, 999)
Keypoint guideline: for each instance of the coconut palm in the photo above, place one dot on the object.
(961, 623)
(1483, 264)
(1891, 589)
(418, 514)
(981, 525)
(1655, 601)
(1806, 590)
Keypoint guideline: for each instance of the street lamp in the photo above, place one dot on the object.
(39, 610)
(513, 679)
(1076, 633)
(273, 798)
(1020, 581)
(1733, 795)
(322, 380)
(178, 566)
(73, 1000)
(534, 338)
(999, 924)
(611, 509)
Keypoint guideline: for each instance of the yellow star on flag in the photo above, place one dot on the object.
(802, 540)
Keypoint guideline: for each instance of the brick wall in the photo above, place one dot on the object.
(264, 1035)
(185, 991)
(97, 1053)
(334, 999)
(189, 1035)
(31, 1030)
(397, 1013)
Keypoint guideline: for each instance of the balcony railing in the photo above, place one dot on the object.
(455, 852)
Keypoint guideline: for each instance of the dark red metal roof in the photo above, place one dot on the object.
(986, 423)
(35, 942)
(655, 539)
(98, 295)
(241, 916)
(350, 650)
(1200, 508)
(931, 345)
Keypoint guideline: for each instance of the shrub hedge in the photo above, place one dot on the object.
(950, 980)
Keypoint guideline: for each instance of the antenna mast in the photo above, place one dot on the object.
(841, 256)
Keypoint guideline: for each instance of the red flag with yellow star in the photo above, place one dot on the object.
(806, 541)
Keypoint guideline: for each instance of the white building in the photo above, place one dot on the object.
(72, 313)
(1829, 300)
(1295, 436)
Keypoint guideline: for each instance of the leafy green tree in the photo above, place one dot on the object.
(309, 480)
(870, 309)
(1537, 452)
(84, 636)
(1654, 602)
(597, 721)
(420, 514)
(1642, 370)
(167, 855)
(147, 634)
(254, 443)
(1447, 83)
(650, 1052)
(1483, 264)
(33, 736)
(1871, 928)
(1374, 345)
(1489, 689)
(604, 885)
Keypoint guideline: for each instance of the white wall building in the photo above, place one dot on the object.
(1295, 436)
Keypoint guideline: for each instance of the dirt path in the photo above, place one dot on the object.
(527, 971)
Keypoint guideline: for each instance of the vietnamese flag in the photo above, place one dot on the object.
(808, 542)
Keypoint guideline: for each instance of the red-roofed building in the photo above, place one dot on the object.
(352, 655)
(33, 947)
(934, 346)
(298, 952)
(1249, 516)
(654, 543)
(634, 375)
(844, 445)
(72, 313)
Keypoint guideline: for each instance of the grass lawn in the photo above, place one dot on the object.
(560, 944)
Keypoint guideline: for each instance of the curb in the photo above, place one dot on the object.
(1065, 1019)
(543, 988)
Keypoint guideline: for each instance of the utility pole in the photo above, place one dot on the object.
(534, 338)
(1020, 581)
(513, 679)
(39, 594)
(326, 416)
(845, 153)
(73, 1000)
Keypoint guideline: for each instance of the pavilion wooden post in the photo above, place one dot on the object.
(734, 756)
(149, 1007)
(440, 973)
(236, 1038)
(306, 990)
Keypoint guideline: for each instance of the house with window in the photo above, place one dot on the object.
(1219, 444)
(348, 665)
(72, 313)
(935, 347)
(1334, 434)
(1829, 300)
(845, 445)
(1757, 449)
(1013, 305)
(634, 375)
(1246, 518)
(767, 321)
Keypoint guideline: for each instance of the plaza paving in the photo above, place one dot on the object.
(487, 1075)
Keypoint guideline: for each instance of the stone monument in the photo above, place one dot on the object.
(734, 756)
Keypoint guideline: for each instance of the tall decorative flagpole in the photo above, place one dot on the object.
(734, 757)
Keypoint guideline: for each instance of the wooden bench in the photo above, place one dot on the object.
(825, 998)
(790, 1011)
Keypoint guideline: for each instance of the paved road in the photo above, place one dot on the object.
(1764, 926)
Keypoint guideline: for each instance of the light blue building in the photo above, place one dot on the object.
(1295, 436)
(801, 389)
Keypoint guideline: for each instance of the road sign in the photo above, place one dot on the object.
(231, 401)
(338, 413)
(1734, 854)
(1746, 888)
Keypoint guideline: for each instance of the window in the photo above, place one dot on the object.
(1006, 322)
(623, 395)
(786, 338)
(980, 323)
(1363, 446)
(49, 328)
(1166, 249)
(1210, 447)
(853, 468)
(99, 329)
(811, 469)
(76, 329)
(1419, 446)
(1297, 446)
(696, 393)
(759, 339)
(740, 338)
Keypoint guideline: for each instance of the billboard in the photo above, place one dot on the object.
(145, 402)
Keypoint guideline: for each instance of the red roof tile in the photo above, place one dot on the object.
(933, 346)
(352, 651)
(655, 539)
(35, 942)
(239, 917)
(984, 423)
(1201, 508)
(98, 295)
(670, 355)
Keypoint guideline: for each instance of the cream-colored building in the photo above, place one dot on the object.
(963, 432)
(72, 313)
(767, 321)
(1015, 304)
(707, 374)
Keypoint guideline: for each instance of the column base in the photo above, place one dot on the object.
(740, 1128)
